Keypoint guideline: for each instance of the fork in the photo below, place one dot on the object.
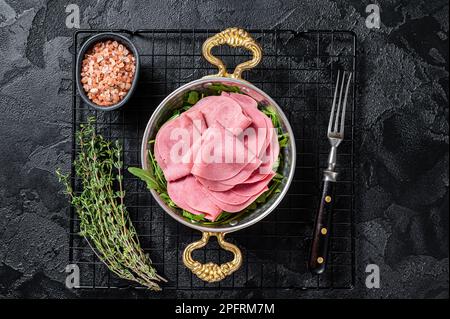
(319, 247)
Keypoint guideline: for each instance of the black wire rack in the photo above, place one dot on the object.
(298, 70)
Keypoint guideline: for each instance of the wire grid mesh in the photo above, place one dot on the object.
(298, 70)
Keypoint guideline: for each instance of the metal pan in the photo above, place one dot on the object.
(233, 37)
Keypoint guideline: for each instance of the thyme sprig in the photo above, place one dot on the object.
(104, 219)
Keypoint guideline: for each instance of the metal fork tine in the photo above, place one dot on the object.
(334, 104)
(338, 112)
(341, 131)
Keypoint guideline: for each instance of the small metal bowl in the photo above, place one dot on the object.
(85, 47)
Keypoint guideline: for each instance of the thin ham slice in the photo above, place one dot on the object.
(255, 177)
(187, 193)
(225, 111)
(242, 99)
(267, 148)
(256, 135)
(175, 167)
(197, 119)
(214, 185)
(176, 196)
(249, 174)
(227, 147)
(163, 145)
(270, 134)
(230, 207)
(270, 156)
(229, 197)
(252, 188)
(239, 178)
(244, 174)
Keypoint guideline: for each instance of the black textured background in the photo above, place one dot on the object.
(402, 204)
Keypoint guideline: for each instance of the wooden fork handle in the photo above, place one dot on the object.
(319, 247)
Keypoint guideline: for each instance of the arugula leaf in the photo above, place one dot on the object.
(219, 88)
(223, 216)
(276, 164)
(283, 140)
(145, 176)
(174, 115)
(278, 176)
(191, 216)
(157, 169)
(192, 97)
(166, 198)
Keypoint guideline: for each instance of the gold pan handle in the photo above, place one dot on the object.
(212, 272)
(233, 37)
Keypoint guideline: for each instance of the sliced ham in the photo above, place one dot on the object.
(187, 193)
(249, 174)
(270, 133)
(173, 170)
(230, 159)
(239, 178)
(256, 135)
(225, 111)
(177, 197)
(221, 166)
(255, 177)
(178, 134)
(266, 147)
(270, 156)
(244, 100)
(251, 189)
(228, 197)
(230, 208)
(197, 119)
(243, 175)
(214, 185)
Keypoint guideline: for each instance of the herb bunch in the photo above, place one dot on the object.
(154, 177)
(104, 219)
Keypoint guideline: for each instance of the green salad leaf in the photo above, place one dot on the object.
(218, 88)
(193, 216)
(193, 97)
(146, 177)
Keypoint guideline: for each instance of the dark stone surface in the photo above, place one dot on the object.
(402, 213)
